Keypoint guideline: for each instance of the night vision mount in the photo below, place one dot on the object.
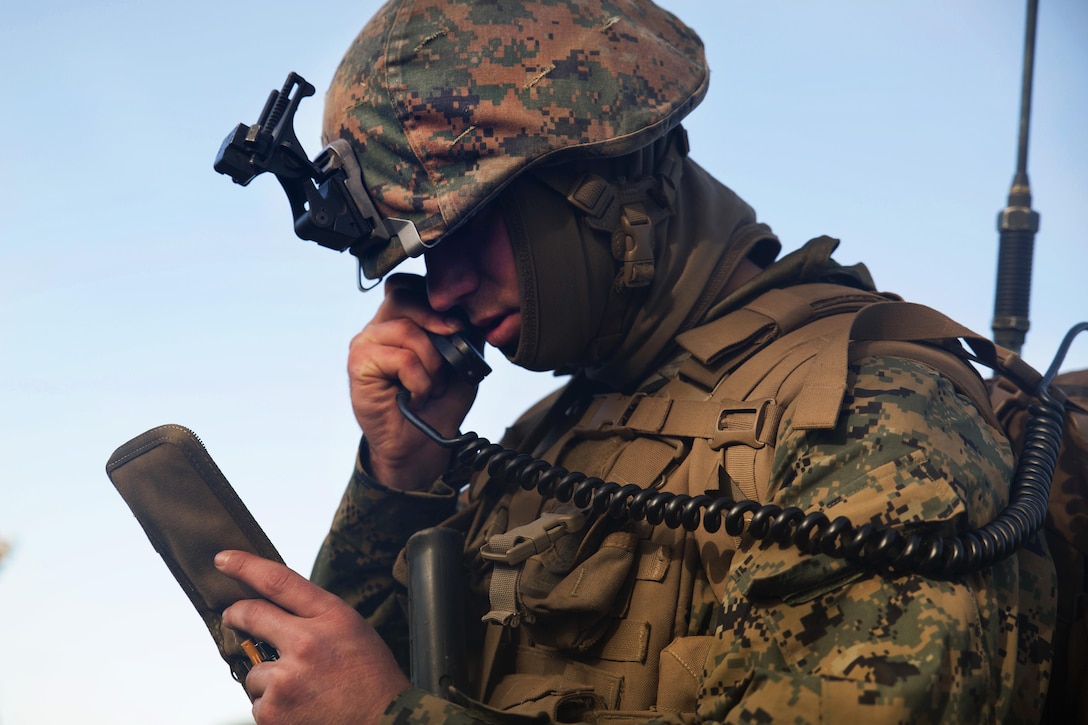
(328, 198)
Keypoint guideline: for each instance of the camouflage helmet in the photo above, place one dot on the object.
(445, 102)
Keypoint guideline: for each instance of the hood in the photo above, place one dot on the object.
(576, 312)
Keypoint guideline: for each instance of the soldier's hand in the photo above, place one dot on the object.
(333, 667)
(392, 351)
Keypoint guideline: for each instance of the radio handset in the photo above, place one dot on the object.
(465, 359)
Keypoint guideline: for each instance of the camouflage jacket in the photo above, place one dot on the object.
(796, 638)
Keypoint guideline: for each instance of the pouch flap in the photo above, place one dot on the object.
(190, 512)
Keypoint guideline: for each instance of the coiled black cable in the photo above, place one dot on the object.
(812, 532)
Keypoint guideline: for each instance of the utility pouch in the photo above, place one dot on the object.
(190, 512)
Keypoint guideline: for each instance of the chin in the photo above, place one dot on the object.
(509, 350)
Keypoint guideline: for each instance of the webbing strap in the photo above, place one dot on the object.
(505, 576)
(509, 550)
(773, 314)
(910, 322)
(877, 329)
(504, 597)
(722, 422)
(653, 561)
(761, 377)
(628, 642)
(642, 460)
(818, 404)
(788, 309)
(606, 685)
(602, 201)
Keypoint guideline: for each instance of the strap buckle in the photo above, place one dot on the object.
(517, 545)
(749, 435)
(638, 246)
(593, 195)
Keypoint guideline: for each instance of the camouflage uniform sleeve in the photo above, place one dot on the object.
(371, 526)
(809, 639)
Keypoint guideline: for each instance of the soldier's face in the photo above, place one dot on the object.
(473, 273)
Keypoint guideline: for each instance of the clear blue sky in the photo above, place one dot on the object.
(140, 288)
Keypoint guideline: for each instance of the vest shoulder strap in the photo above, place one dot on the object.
(791, 347)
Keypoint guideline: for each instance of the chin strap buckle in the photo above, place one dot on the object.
(633, 245)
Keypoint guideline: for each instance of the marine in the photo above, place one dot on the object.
(537, 150)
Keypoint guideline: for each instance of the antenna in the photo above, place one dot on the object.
(1017, 224)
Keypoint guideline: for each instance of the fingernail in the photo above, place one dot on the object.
(452, 322)
(221, 559)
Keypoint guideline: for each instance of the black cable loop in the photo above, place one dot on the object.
(655, 506)
(955, 556)
(618, 507)
(564, 490)
(525, 469)
(583, 492)
(973, 550)
(734, 518)
(499, 465)
(603, 497)
(693, 514)
(784, 527)
(759, 525)
(639, 502)
(837, 529)
(858, 542)
(549, 480)
(932, 556)
(810, 532)
(1005, 534)
(882, 547)
(674, 511)
(913, 552)
(713, 516)
(803, 535)
(533, 475)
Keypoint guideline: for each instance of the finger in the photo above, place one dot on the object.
(398, 351)
(406, 296)
(400, 333)
(405, 281)
(257, 681)
(274, 581)
(258, 619)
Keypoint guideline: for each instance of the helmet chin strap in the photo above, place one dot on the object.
(629, 211)
(584, 245)
(622, 254)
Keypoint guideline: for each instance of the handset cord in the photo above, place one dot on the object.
(812, 532)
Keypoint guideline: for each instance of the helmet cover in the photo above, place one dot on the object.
(445, 102)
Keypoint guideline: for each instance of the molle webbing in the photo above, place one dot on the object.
(720, 346)
(790, 348)
(715, 425)
(722, 423)
(866, 324)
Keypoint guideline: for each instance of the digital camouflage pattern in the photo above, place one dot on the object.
(445, 102)
(891, 649)
(1066, 529)
(808, 639)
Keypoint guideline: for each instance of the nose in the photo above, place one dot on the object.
(450, 276)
